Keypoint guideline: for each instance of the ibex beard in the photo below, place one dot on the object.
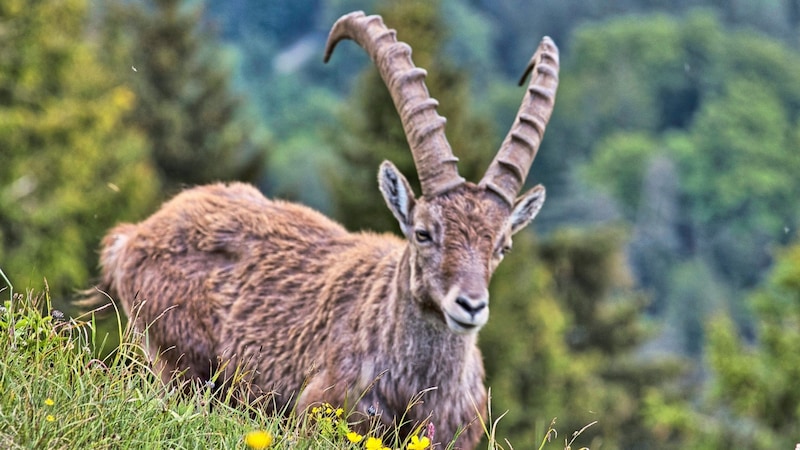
(222, 278)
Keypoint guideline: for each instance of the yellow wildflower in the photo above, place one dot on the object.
(419, 444)
(354, 437)
(49, 402)
(258, 439)
(50, 418)
(374, 443)
(339, 412)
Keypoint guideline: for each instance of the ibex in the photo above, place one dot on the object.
(221, 274)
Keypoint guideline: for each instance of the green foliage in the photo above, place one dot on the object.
(694, 296)
(291, 162)
(718, 110)
(680, 423)
(624, 75)
(54, 394)
(728, 114)
(753, 397)
(292, 103)
(589, 273)
(70, 167)
(606, 330)
(562, 339)
(619, 163)
(741, 137)
(194, 124)
(759, 383)
(527, 362)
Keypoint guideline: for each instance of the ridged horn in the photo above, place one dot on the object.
(424, 127)
(509, 169)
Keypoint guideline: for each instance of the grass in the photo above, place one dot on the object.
(55, 394)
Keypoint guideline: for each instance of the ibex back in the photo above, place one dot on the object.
(221, 277)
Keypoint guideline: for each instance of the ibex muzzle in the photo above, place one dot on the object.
(221, 277)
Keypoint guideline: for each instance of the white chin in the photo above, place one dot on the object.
(461, 327)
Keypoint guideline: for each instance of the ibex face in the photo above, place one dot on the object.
(456, 240)
(457, 231)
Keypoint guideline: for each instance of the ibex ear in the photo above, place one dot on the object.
(526, 208)
(398, 194)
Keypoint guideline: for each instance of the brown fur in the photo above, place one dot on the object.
(222, 273)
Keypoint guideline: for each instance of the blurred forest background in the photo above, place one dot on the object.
(657, 293)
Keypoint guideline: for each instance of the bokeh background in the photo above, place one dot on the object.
(658, 293)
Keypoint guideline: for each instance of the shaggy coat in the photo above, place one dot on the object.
(220, 273)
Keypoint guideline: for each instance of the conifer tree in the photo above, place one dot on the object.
(70, 168)
(606, 330)
(752, 397)
(193, 121)
(562, 339)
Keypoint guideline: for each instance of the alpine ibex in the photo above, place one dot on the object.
(315, 313)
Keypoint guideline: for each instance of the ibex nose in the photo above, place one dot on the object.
(471, 306)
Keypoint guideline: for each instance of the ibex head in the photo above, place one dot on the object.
(457, 231)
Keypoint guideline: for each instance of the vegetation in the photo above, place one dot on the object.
(195, 126)
(563, 336)
(750, 402)
(657, 296)
(55, 394)
(71, 168)
(723, 130)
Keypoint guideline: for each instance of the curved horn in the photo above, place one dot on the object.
(423, 126)
(509, 169)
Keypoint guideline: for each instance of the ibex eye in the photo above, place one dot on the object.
(422, 236)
